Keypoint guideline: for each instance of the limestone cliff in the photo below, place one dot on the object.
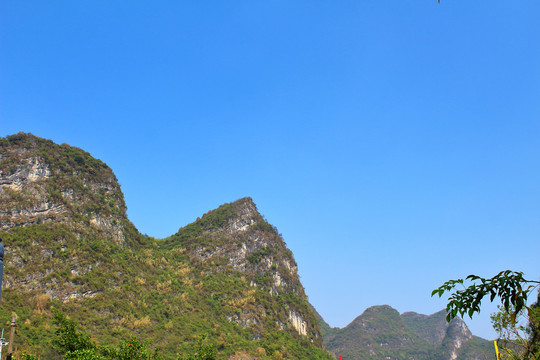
(42, 182)
(235, 236)
(437, 331)
(69, 243)
(382, 333)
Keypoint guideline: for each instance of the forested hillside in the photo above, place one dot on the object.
(382, 333)
(69, 243)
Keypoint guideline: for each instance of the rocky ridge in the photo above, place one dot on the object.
(69, 243)
(248, 244)
(382, 333)
(228, 275)
(42, 182)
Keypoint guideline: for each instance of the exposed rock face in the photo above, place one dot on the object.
(29, 174)
(382, 333)
(68, 241)
(237, 236)
(27, 171)
(456, 336)
(432, 328)
(248, 227)
(298, 323)
(42, 182)
(437, 331)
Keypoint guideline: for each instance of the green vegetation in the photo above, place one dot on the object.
(517, 338)
(152, 292)
(63, 158)
(72, 344)
(382, 333)
(379, 332)
(509, 286)
(66, 173)
(512, 289)
(86, 259)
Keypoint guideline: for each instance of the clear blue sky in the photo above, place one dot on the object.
(395, 144)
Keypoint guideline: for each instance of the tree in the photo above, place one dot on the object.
(520, 338)
(513, 290)
(68, 340)
(73, 344)
(133, 349)
(201, 351)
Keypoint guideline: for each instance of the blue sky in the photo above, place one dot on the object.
(395, 144)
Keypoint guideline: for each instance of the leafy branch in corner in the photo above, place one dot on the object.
(511, 287)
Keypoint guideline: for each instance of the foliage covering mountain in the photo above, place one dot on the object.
(382, 333)
(69, 243)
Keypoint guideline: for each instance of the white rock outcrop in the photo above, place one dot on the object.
(298, 322)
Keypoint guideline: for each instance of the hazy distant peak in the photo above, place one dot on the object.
(380, 332)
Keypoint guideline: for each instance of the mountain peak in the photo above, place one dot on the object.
(229, 218)
(382, 333)
(242, 214)
(236, 236)
(64, 222)
(42, 182)
(245, 201)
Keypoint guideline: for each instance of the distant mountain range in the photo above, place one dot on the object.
(228, 275)
(382, 333)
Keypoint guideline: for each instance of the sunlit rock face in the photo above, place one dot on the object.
(60, 198)
(298, 323)
(69, 243)
(457, 335)
(382, 333)
(238, 237)
(42, 182)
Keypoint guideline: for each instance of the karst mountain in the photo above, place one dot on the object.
(228, 276)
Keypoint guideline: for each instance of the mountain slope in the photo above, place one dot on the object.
(235, 238)
(382, 333)
(69, 243)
